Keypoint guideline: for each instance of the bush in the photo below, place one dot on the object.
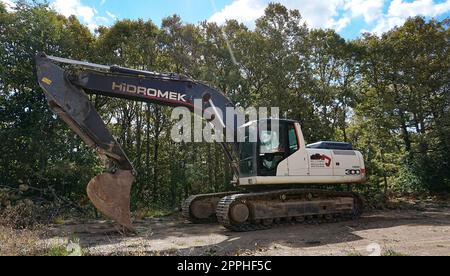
(25, 215)
(408, 181)
(21, 208)
(423, 174)
(19, 242)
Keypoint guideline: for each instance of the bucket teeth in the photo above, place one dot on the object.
(110, 194)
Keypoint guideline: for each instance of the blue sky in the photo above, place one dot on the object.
(156, 10)
(348, 17)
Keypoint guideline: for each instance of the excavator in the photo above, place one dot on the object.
(279, 178)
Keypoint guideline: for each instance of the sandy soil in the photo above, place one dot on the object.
(400, 232)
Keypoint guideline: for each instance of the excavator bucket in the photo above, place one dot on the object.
(110, 194)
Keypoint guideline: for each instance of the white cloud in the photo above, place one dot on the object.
(320, 14)
(75, 7)
(101, 20)
(400, 10)
(246, 11)
(111, 15)
(87, 14)
(341, 23)
(9, 4)
(351, 9)
(336, 14)
(370, 10)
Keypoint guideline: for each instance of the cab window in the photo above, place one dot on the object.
(270, 142)
(272, 150)
(293, 141)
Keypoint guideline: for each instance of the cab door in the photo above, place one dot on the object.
(298, 158)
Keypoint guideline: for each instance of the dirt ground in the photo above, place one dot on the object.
(400, 232)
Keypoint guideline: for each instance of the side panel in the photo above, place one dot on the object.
(283, 168)
(298, 164)
(339, 173)
(347, 163)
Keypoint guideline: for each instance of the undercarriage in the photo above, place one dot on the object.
(243, 212)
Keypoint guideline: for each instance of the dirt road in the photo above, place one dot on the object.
(406, 232)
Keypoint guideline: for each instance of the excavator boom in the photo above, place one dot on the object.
(66, 92)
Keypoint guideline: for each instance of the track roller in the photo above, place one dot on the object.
(260, 211)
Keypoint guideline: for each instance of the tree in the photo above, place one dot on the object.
(39, 151)
(387, 95)
(406, 73)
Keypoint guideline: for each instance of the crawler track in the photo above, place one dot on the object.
(208, 201)
(285, 207)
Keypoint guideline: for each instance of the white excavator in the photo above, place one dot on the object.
(279, 178)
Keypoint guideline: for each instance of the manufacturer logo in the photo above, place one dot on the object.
(322, 158)
(150, 92)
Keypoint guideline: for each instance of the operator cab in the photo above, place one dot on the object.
(276, 140)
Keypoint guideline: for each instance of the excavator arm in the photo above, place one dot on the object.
(67, 89)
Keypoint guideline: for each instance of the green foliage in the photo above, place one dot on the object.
(57, 251)
(2, 8)
(387, 95)
(38, 150)
(73, 249)
(404, 96)
(392, 253)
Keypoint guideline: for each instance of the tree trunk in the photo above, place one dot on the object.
(138, 135)
(385, 179)
(405, 133)
(344, 123)
(147, 148)
(156, 154)
(210, 167)
(183, 171)
(174, 173)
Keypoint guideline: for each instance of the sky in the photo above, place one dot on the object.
(350, 18)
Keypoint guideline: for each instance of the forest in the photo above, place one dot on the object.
(388, 95)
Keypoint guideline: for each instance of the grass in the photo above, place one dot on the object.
(57, 251)
(59, 221)
(29, 243)
(392, 253)
(72, 249)
(19, 242)
(354, 254)
(153, 213)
